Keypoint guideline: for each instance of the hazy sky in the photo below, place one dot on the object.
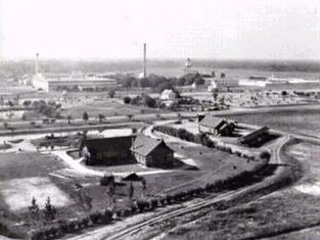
(213, 29)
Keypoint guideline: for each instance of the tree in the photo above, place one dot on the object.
(26, 103)
(101, 117)
(215, 95)
(149, 101)
(127, 100)
(49, 211)
(34, 211)
(265, 155)
(69, 119)
(130, 116)
(111, 93)
(85, 117)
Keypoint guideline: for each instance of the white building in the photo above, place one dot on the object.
(58, 82)
(221, 83)
(168, 94)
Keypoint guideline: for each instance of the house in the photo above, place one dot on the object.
(169, 94)
(107, 151)
(152, 152)
(216, 126)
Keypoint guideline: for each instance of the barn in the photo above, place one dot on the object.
(107, 151)
(152, 152)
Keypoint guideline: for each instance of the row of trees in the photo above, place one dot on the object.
(40, 217)
(160, 83)
(144, 100)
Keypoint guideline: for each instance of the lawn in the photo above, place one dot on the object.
(107, 107)
(303, 121)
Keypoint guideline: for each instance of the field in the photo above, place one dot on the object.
(301, 121)
(107, 107)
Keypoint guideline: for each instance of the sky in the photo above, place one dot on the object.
(117, 29)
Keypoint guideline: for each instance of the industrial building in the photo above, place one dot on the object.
(70, 82)
(152, 152)
(220, 83)
(216, 126)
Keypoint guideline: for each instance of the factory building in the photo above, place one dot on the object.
(70, 82)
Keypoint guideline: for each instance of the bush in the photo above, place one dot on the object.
(95, 217)
(107, 216)
(37, 235)
(142, 205)
(127, 100)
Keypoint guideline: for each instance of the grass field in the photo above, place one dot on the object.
(303, 121)
(107, 107)
(279, 213)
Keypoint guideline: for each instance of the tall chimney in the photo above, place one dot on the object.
(144, 60)
(37, 64)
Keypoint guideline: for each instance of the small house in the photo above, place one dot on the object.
(216, 126)
(152, 152)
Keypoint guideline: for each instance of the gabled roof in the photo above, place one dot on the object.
(213, 122)
(143, 145)
(132, 177)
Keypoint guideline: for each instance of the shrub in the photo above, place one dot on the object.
(142, 205)
(127, 100)
(107, 216)
(37, 235)
(71, 227)
(95, 217)
(154, 203)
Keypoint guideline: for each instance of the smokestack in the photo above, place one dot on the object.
(144, 60)
(37, 64)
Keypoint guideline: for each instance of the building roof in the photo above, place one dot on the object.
(254, 134)
(143, 145)
(213, 122)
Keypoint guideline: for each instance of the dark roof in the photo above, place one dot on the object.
(254, 134)
(143, 145)
(213, 122)
(102, 143)
(132, 177)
